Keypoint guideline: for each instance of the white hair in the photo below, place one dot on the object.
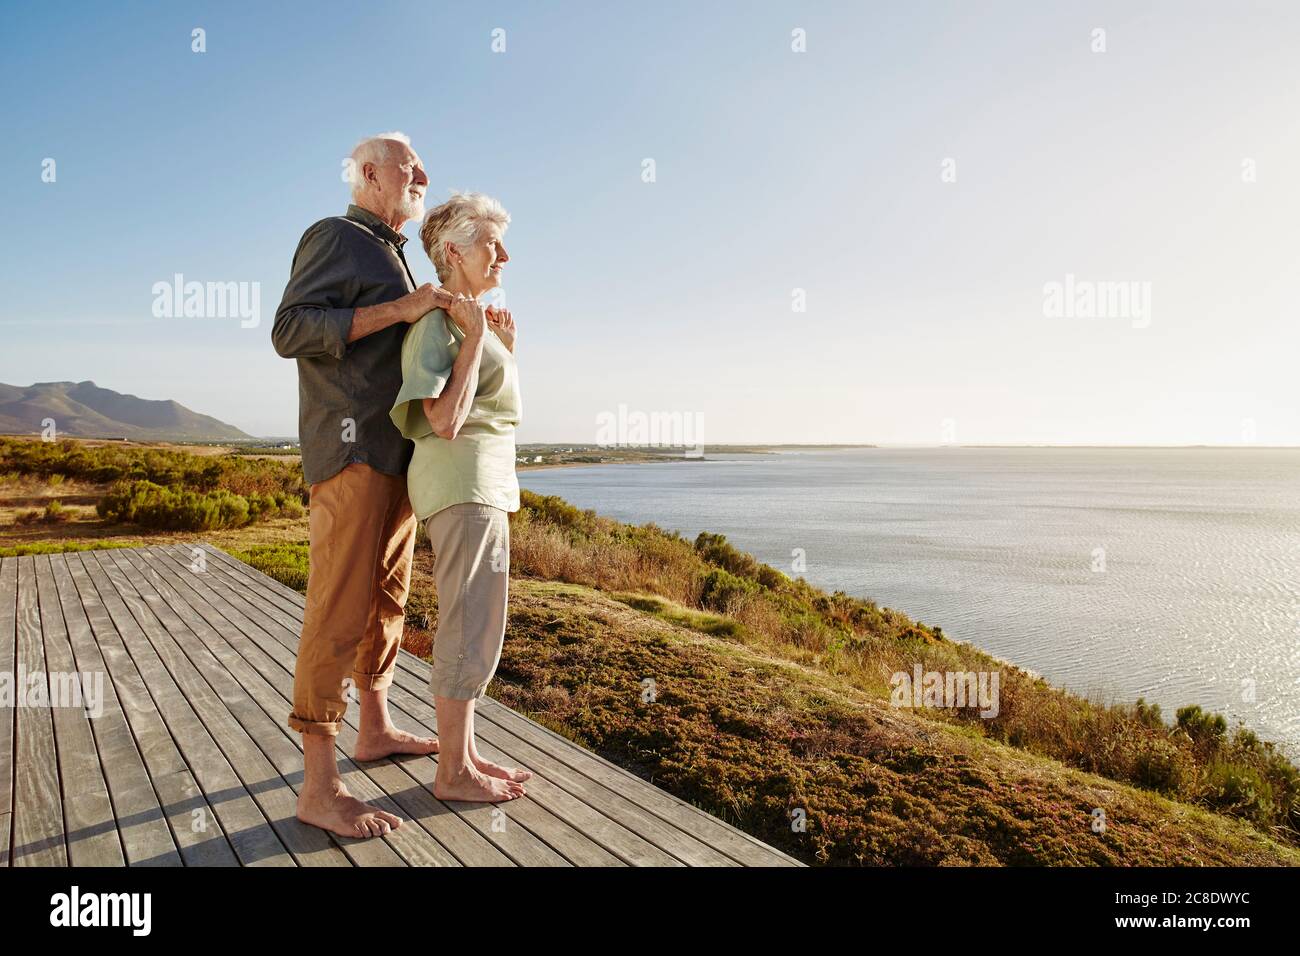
(460, 221)
(372, 149)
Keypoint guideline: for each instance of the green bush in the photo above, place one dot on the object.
(1240, 790)
(180, 509)
(1207, 730)
(723, 591)
(1148, 715)
(554, 510)
(717, 550)
(1163, 766)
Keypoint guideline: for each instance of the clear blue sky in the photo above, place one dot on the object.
(775, 170)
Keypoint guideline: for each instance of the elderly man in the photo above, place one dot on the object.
(345, 311)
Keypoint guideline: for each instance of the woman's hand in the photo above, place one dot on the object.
(503, 324)
(468, 314)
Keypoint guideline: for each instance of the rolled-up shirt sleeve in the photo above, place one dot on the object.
(314, 316)
(428, 353)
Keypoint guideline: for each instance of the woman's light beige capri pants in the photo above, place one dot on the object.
(471, 546)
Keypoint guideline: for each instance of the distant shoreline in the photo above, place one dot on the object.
(273, 447)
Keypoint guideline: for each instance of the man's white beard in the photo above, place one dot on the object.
(413, 208)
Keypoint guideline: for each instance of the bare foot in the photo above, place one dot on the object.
(517, 774)
(385, 743)
(470, 784)
(340, 812)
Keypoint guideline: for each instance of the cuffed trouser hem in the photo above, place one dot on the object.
(458, 692)
(372, 681)
(324, 728)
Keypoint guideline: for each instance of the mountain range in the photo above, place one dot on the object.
(84, 410)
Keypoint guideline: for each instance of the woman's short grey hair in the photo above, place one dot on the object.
(460, 221)
(373, 149)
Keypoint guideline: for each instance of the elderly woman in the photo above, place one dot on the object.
(460, 403)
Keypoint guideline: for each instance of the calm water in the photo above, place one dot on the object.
(1197, 588)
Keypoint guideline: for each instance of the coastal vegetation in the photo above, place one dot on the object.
(158, 487)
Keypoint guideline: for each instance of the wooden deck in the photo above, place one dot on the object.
(190, 762)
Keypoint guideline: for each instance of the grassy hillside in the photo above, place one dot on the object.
(767, 701)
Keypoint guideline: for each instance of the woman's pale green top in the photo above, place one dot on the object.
(479, 463)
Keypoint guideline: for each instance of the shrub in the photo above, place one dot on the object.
(554, 510)
(1207, 730)
(717, 550)
(724, 592)
(153, 506)
(1163, 766)
(1240, 790)
(1148, 715)
(55, 512)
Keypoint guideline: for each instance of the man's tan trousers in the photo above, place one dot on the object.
(362, 535)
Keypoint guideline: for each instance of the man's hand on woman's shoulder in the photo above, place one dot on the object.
(425, 299)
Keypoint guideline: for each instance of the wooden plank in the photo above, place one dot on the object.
(601, 814)
(542, 840)
(130, 736)
(131, 739)
(241, 691)
(198, 828)
(90, 827)
(518, 730)
(8, 630)
(226, 623)
(38, 833)
(241, 809)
